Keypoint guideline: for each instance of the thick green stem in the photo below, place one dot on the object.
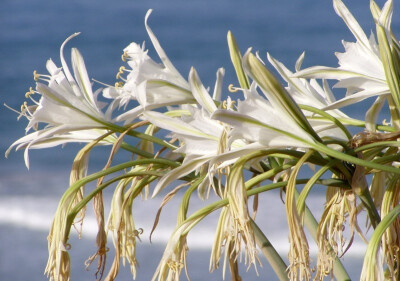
(274, 259)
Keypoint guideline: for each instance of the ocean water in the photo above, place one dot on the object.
(193, 33)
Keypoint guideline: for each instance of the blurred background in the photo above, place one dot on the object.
(193, 33)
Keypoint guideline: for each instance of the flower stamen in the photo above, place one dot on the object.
(36, 76)
(120, 72)
(233, 89)
(119, 84)
(30, 92)
(124, 56)
(228, 104)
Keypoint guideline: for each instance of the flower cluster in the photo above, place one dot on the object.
(232, 149)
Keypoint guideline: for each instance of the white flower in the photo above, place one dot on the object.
(273, 122)
(360, 70)
(68, 108)
(152, 84)
(310, 93)
(258, 121)
(203, 140)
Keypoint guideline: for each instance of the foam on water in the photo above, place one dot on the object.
(36, 214)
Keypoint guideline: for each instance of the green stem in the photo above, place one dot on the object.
(327, 116)
(387, 159)
(78, 184)
(375, 241)
(369, 204)
(378, 144)
(351, 159)
(136, 134)
(74, 211)
(136, 150)
(274, 259)
(361, 123)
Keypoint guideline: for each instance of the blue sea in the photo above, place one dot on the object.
(193, 33)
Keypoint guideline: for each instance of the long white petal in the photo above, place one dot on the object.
(65, 65)
(81, 76)
(324, 72)
(360, 96)
(175, 125)
(373, 112)
(160, 51)
(351, 22)
(200, 93)
(299, 86)
(180, 171)
(218, 84)
(257, 131)
(164, 93)
(385, 18)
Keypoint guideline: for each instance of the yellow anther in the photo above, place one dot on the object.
(124, 56)
(232, 88)
(120, 72)
(118, 84)
(36, 76)
(386, 123)
(228, 105)
(24, 106)
(30, 92)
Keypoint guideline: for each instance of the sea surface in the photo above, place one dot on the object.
(193, 33)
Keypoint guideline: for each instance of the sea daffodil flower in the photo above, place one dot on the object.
(257, 121)
(68, 107)
(310, 93)
(276, 122)
(152, 84)
(361, 70)
(202, 138)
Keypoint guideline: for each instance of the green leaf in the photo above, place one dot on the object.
(301, 201)
(369, 270)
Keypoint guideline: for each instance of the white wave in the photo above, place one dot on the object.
(36, 214)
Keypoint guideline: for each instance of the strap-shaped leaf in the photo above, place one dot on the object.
(372, 270)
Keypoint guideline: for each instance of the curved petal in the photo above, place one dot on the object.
(160, 51)
(200, 93)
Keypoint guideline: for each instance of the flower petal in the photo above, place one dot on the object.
(351, 22)
(160, 51)
(200, 93)
(81, 76)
